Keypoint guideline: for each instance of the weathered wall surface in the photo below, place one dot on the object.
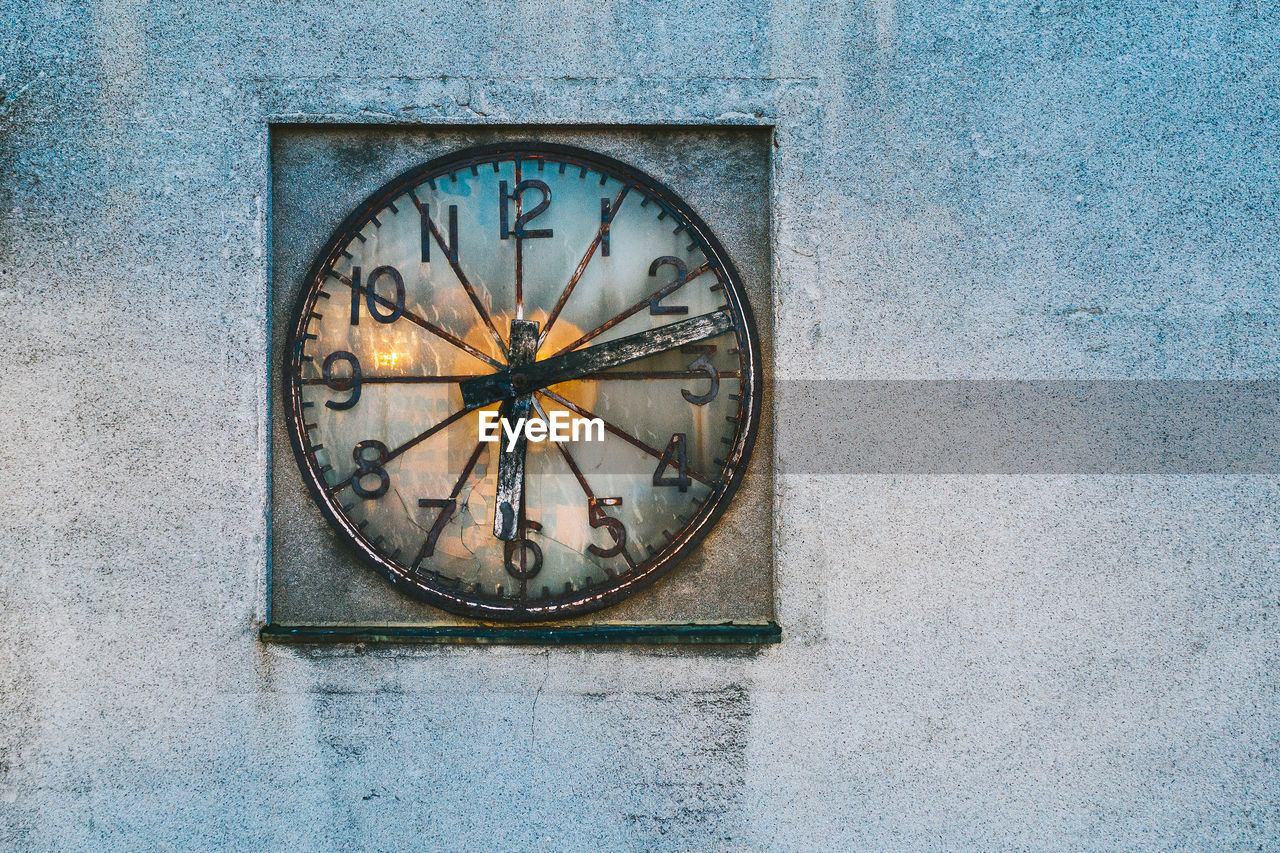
(961, 190)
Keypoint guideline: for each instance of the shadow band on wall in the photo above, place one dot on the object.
(1064, 427)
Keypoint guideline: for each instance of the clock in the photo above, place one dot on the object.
(522, 381)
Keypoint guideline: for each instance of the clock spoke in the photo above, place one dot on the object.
(410, 444)
(621, 433)
(428, 544)
(582, 266)
(519, 200)
(658, 294)
(592, 503)
(657, 374)
(442, 379)
(419, 321)
(450, 256)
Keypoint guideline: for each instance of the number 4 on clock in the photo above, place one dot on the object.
(675, 456)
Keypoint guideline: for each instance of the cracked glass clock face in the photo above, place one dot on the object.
(522, 381)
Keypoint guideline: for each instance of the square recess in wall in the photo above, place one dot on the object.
(334, 578)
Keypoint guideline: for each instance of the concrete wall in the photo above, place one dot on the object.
(961, 190)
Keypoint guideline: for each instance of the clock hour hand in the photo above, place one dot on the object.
(510, 496)
(519, 380)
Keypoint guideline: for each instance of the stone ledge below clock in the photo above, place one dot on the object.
(712, 634)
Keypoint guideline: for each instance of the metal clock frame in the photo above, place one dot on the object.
(735, 462)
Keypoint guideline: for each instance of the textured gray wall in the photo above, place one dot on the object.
(961, 190)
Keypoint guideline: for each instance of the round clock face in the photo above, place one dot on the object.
(522, 381)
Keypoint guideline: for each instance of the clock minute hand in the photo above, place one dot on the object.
(514, 381)
(508, 513)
